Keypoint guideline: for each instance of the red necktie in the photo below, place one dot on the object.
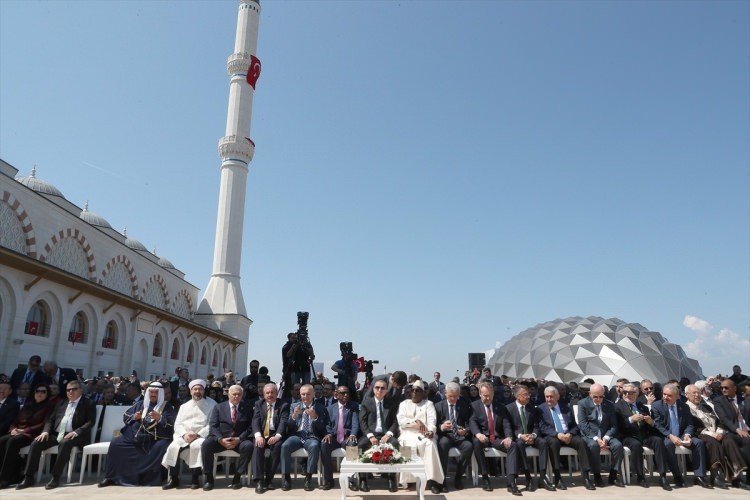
(491, 424)
(234, 414)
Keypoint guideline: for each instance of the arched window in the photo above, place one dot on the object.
(175, 354)
(157, 346)
(110, 336)
(79, 329)
(37, 321)
(191, 353)
(226, 361)
(215, 361)
(204, 355)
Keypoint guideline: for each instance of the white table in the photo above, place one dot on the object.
(351, 467)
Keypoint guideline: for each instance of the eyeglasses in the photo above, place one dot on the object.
(725, 387)
(73, 389)
(646, 389)
(628, 392)
(378, 388)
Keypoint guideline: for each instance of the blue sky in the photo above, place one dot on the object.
(430, 178)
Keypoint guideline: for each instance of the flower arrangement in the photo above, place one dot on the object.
(382, 454)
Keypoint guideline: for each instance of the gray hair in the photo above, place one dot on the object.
(452, 387)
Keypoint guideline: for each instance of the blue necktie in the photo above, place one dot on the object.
(556, 418)
(674, 423)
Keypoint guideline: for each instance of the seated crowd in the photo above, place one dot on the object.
(179, 420)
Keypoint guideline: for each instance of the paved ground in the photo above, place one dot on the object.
(379, 492)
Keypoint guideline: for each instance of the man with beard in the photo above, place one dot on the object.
(190, 430)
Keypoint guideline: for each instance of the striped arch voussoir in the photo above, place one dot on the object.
(28, 228)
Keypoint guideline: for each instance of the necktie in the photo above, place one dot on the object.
(340, 434)
(454, 424)
(64, 424)
(598, 414)
(523, 420)
(26, 377)
(491, 424)
(234, 414)
(740, 421)
(558, 423)
(379, 427)
(267, 426)
(305, 421)
(674, 423)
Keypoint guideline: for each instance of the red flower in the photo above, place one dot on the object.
(376, 457)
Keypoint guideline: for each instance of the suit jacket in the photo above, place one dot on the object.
(727, 416)
(351, 420)
(589, 424)
(625, 427)
(220, 421)
(532, 419)
(660, 414)
(280, 417)
(84, 418)
(317, 427)
(16, 378)
(478, 423)
(64, 376)
(463, 416)
(368, 417)
(8, 413)
(547, 422)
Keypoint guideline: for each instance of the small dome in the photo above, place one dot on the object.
(132, 243)
(92, 218)
(39, 185)
(164, 262)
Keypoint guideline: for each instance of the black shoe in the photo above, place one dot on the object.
(444, 486)
(208, 486)
(546, 484)
(598, 481)
(679, 483)
(486, 485)
(236, 484)
(53, 483)
(701, 481)
(739, 483)
(435, 488)
(642, 482)
(392, 484)
(458, 483)
(614, 481)
(172, 483)
(353, 485)
(363, 486)
(665, 484)
(107, 482)
(260, 488)
(559, 485)
(4, 484)
(327, 485)
(269, 483)
(286, 484)
(513, 488)
(588, 484)
(308, 483)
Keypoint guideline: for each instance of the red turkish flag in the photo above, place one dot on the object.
(253, 72)
(33, 328)
(360, 362)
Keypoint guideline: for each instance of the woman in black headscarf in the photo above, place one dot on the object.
(28, 424)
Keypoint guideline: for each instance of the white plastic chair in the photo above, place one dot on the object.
(111, 424)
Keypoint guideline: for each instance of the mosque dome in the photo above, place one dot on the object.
(92, 218)
(39, 185)
(132, 243)
(165, 263)
(576, 348)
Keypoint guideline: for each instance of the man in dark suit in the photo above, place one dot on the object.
(230, 429)
(270, 420)
(342, 428)
(490, 427)
(731, 418)
(597, 421)
(31, 374)
(558, 427)
(452, 416)
(636, 430)
(378, 424)
(8, 407)
(674, 423)
(57, 375)
(68, 426)
(307, 425)
(524, 417)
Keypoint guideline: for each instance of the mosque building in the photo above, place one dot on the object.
(76, 291)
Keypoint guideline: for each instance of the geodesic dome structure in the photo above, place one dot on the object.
(575, 348)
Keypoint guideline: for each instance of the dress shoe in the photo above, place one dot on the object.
(444, 487)
(308, 483)
(588, 484)
(701, 481)
(486, 485)
(598, 481)
(53, 483)
(546, 484)
(665, 484)
(327, 485)
(353, 486)
(286, 484)
(269, 483)
(559, 485)
(392, 483)
(435, 488)
(208, 486)
(458, 483)
(739, 483)
(236, 485)
(363, 486)
(107, 482)
(513, 488)
(642, 482)
(530, 484)
(195, 486)
(260, 488)
(614, 481)
(679, 483)
(4, 484)
(172, 483)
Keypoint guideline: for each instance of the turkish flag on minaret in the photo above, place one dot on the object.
(253, 72)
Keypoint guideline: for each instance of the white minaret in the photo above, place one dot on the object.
(222, 306)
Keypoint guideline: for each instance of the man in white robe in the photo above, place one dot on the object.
(190, 429)
(417, 426)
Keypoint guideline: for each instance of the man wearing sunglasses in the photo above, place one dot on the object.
(730, 412)
(342, 427)
(68, 426)
(377, 422)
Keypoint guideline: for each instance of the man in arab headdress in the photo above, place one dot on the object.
(135, 456)
(190, 429)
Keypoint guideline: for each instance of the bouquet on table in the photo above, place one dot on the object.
(382, 454)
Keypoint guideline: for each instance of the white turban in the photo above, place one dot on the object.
(197, 381)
